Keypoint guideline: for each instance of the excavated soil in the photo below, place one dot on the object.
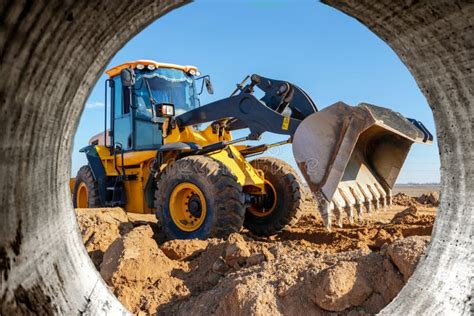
(354, 270)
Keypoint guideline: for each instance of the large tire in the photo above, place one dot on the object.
(85, 181)
(223, 199)
(286, 207)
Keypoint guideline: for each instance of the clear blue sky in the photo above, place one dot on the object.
(330, 55)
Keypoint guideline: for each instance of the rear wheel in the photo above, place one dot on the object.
(86, 190)
(282, 203)
(198, 197)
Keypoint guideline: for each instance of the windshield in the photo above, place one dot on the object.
(167, 85)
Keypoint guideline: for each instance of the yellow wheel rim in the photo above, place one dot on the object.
(261, 210)
(82, 196)
(187, 207)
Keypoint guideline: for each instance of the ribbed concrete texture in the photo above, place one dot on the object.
(435, 40)
(52, 52)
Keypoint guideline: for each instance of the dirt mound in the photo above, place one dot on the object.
(407, 216)
(100, 227)
(411, 216)
(340, 286)
(403, 199)
(140, 272)
(300, 282)
(356, 269)
(182, 249)
(431, 198)
(405, 254)
(369, 234)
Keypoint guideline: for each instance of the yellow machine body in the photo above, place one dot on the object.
(139, 163)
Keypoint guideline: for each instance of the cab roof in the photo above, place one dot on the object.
(112, 72)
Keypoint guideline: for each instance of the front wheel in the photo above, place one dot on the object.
(282, 203)
(86, 190)
(198, 197)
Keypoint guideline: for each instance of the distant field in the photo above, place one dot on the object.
(415, 189)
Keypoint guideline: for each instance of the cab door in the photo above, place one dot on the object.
(122, 117)
(147, 135)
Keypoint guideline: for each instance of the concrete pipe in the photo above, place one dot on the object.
(51, 54)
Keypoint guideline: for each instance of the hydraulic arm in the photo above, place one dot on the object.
(280, 110)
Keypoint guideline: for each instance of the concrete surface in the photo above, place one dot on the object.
(51, 54)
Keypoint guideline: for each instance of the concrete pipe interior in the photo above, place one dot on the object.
(51, 54)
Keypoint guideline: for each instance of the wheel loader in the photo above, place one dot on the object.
(162, 152)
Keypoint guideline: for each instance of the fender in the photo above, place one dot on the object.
(98, 171)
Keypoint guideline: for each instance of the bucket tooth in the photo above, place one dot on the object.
(325, 209)
(375, 196)
(382, 192)
(337, 209)
(350, 213)
(338, 216)
(358, 196)
(381, 201)
(367, 196)
(376, 204)
(359, 210)
(349, 200)
(359, 200)
(326, 215)
(368, 206)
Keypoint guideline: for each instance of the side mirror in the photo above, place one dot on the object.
(208, 83)
(162, 110)
(127, 76)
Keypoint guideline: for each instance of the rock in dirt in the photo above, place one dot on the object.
(100, 227)
(240, 302)
(385, 279)
(405, 253)
(220, 266)
(213, 278)
(140, 272)
(236, 251)
(431, 198)
(267, 254)
(382, 238)
(340, 287)
(181, 249)
(256, 258)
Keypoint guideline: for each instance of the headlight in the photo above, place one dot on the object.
(151, 67)
(167, 110)
(192, 72)
(140, 67)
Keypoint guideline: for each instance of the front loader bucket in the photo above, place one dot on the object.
(351, 156)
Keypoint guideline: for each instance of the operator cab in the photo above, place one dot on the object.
(142, 94)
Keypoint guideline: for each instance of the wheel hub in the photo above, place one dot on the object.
(187, 207)
(194, 206)
(82, 196)
(264, 205)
